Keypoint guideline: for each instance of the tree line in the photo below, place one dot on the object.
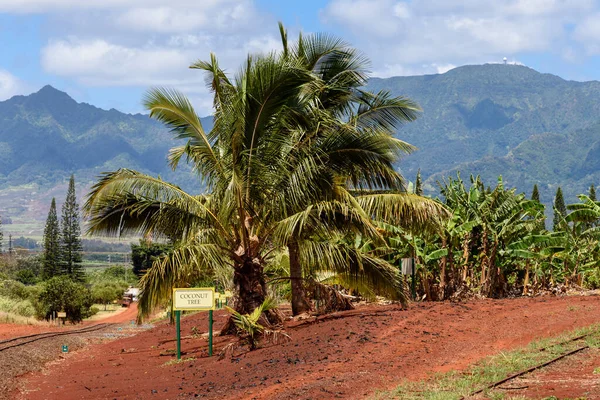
(495, 243)
(300, 186)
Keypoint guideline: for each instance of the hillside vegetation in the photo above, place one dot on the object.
(486, 120)
(507, 120)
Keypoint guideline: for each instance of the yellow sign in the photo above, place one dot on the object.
(194, 299)
(61, 314)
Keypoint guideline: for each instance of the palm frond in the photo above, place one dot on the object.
(407, 210)
(354, 266)
(184, 264)
(174, 110)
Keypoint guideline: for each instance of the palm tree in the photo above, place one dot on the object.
(286, 147)
(347, 130)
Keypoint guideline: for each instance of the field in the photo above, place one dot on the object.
(364, 353)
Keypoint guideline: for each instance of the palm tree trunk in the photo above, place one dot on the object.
(300, 303)
(251, 290)
(249, 284)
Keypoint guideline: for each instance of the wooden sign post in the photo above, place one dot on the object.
(194, 299)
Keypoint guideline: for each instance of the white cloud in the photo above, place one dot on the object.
(143, 43)
(442, 69)
(381, 18)
(588, 33)
(427, 35)
(42, 6)
(10, 85)
(98, 63)
(173, 18)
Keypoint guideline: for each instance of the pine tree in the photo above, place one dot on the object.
(51, 265)
(560, 209)
(419, 184)
(70, 240)
(535, 195)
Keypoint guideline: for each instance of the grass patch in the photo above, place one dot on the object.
(11, 318)
(19, 307)
(175, 362)
(455, 385)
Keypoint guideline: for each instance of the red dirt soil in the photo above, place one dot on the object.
(8, 331)
(348, 355)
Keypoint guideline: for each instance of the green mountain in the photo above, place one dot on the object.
(488, 119)
(47, 136)
(507, 120)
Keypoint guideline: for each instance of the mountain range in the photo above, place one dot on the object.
(491, 119)
(498, 119)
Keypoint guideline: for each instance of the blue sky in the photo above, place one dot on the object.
(108, 52)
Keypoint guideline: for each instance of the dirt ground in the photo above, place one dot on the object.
(20, 360)
(8, 331)
(348, 355)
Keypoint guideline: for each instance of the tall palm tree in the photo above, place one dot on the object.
(348, 132)
(289, 142)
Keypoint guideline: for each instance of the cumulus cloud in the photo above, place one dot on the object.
(429, 35)
(97, 62)
(42, 6)
(588, 33)
(10, 85)
(143, 43)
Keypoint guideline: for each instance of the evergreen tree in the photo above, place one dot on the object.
(560, 209)
(70, 240)
(419, 184)
(10, 248)
(535, 195)
(51, 244)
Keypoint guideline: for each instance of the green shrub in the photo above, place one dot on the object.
(26, 276)
(13, 290)
(591, 278)
(106, 292)
(62, 294)
(94, 310)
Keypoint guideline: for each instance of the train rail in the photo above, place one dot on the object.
(535, 367)
(23, 340)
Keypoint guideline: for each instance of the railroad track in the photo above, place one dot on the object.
(535, 367)
(23, 340)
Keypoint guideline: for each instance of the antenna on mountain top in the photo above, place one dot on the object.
(505, 60)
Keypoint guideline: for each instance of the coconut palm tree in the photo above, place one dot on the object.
(293, 137)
